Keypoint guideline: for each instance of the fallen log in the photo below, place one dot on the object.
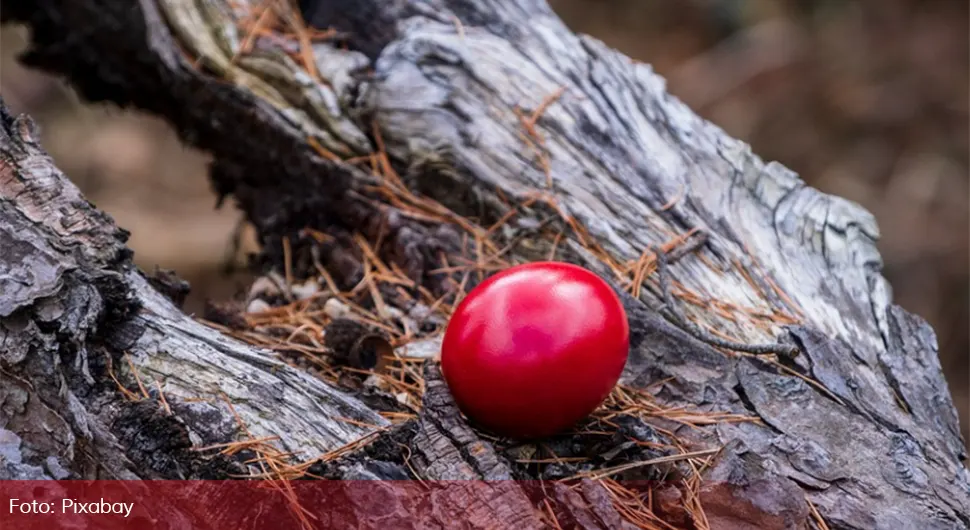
(490, 135)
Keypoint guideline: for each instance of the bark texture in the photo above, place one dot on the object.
(76, 313)
(861, 423)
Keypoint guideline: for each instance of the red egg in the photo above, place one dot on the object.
(535, 348)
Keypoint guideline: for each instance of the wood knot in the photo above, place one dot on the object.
(357, 345)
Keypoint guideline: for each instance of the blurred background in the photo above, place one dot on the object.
(864, 99)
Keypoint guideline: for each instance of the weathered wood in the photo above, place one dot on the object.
(75, 312)
(873, 443)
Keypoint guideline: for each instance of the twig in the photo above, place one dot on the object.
(287, 263)
(603, 473)
(816, 516)
(161, 397)
(785, 350)
(134, 371)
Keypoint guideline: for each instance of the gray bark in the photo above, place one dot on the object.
(75, 311)
(872, 440)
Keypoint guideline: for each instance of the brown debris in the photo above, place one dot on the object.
(169, 284)
(228, 314)
(354, 344)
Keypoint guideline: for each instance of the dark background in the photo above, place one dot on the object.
(864, 99)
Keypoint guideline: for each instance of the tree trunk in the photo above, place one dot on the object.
(494, 115)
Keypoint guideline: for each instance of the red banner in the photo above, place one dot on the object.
(245, 504)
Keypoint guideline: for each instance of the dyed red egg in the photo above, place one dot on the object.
(535, 348)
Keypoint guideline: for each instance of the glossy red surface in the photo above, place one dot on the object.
(535, 348)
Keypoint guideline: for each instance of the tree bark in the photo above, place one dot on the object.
(77, 313)
(486, 108)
